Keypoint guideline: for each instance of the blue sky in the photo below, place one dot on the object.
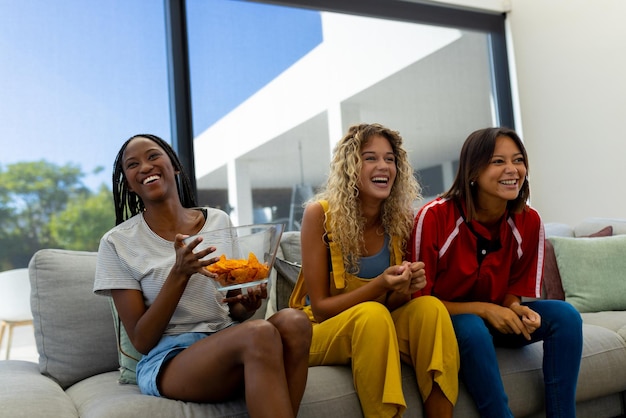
(78, 77)
(254, 43)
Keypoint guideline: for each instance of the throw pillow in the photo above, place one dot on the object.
(551, 278)
(592, 272)
(72, 326)
(127, 354)
(286, 277)
(290, 246)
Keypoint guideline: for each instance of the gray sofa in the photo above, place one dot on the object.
(78, 376)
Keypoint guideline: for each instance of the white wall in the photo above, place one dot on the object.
(570, 59)
(570, 63)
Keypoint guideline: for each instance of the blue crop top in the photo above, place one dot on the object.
(372, 266)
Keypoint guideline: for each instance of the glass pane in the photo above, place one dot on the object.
(270, 101)
(78, 78)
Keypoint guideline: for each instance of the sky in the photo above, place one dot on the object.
(79, 77)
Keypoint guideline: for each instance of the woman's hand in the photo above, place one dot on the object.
(530, 318)
(406, 278)
(243, 306)
(189, 262)
(418, 276)
(517, 319)
(251, 300)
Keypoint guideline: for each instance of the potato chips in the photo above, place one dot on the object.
(238, 271)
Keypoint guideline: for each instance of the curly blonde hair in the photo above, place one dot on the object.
(342, 192)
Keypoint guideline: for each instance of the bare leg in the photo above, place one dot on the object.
(296, 331)
(437, 405)
(214, 369)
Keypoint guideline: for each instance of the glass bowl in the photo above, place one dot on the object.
(247, 253)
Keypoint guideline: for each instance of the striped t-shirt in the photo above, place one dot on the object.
(132, 256)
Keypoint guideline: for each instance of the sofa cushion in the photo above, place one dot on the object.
(603, 364)
(551, 277)
(612, 320)
(101, 396)
(24, 392)
(290, 246)
(73, 328)
(590, 225)
(552, 284)
(287, 257)
(592, 271)
(555, 229)
(286, 277)
(127, 353)
(329, 392)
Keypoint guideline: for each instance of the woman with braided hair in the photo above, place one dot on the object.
(194, 347)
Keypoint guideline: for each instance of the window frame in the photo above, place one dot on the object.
(491, 23)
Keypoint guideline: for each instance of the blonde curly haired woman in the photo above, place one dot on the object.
(356, 286)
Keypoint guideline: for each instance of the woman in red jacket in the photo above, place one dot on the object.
(483, 246)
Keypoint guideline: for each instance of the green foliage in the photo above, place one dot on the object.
(83, 222)
(31, 195)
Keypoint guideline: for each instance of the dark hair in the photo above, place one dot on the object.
(127, 203)
(475, 156)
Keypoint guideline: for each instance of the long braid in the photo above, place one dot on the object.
(128, 204)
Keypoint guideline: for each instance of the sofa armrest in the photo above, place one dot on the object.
(24, 392)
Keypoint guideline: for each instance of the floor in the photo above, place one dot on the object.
(23, 346)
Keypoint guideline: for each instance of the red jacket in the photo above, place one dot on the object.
(465, 263)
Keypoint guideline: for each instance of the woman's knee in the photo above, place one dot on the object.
(558, 315)
(290, 318)
(425, 308)
(263, 331)
(292, 324)
(570, 315)
(371, 318)
(255, 340)
(559, 310)
(372, 312)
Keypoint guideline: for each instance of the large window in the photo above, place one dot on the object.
(257, 95)
(269, 101)
(78, 77)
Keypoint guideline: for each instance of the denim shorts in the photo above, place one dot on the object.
(149, 366)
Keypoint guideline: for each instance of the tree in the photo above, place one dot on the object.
(83, 222)
(30, 193)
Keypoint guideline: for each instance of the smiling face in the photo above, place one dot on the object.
(148, 170)
(378, 169)
(503, 177)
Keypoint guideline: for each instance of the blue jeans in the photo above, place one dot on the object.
(561, 333)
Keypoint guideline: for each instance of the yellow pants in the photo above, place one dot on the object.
(372, 338)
